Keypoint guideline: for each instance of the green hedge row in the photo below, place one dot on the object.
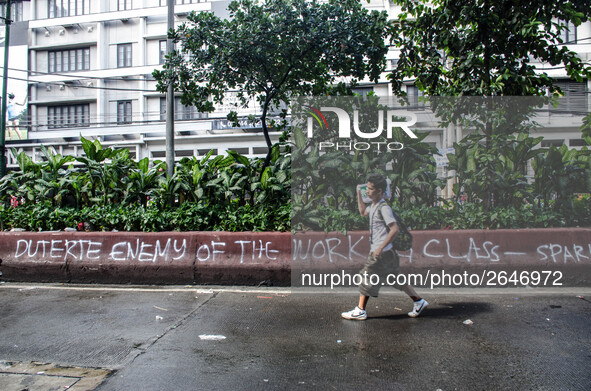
(187, 217)
(466, 216)
(235, 218)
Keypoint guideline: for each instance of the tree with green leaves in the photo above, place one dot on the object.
(272, 50)
(487, 48)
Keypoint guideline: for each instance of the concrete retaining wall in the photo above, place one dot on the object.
(147, 258)
(567, 250)
(251, 258)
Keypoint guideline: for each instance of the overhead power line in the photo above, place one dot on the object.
(33, 73)
(81, 85)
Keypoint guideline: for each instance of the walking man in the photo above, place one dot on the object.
(382, 259)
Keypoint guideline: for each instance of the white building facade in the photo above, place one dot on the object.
(88, 73)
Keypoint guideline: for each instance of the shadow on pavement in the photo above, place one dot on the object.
(444, 310)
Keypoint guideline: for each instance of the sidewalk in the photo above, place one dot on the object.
(234, 338)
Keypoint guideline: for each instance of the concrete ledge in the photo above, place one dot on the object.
(567, 250)
(251, 258)
(450, 247)
(146, 258)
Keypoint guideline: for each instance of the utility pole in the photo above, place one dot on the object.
(170, 99)
(7, 21)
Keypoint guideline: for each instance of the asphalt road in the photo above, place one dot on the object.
(188, 338)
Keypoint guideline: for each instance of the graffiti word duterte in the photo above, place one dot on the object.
(149, 250)
(80, 250)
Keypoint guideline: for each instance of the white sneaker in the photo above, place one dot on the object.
(355, 314)
(418, 307)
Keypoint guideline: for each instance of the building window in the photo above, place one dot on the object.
(70, 116)
(552, 143)
(204, 152)
(579, 142)
(123, 5)
(162, 109)
(124, 55)
(363, 91)
(179, 2)
(181, 112)
(242, 151)
(414, 96)
(391, 64)
(574, 96)
(69, 60)
(16, 11)
(260, 150)
(568, 33)
(162, 52)
(63, 8)
(184, 112)
(124, 112)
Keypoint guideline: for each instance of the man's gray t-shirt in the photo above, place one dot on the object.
(378, 223)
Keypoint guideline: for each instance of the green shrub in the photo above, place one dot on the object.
(187, 217)
(113, 192)
(258, 217)
(453, 216)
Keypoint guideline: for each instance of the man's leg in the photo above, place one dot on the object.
(410, 291)
(366, 290)
(363, 301)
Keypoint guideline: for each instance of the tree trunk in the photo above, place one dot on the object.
(266, 134)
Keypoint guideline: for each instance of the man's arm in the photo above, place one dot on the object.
(393, 231)
(361, 205)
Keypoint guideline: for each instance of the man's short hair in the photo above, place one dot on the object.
(379, 181)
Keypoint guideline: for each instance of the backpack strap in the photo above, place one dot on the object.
(382, 205)
(401, 226)
(372, 218)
